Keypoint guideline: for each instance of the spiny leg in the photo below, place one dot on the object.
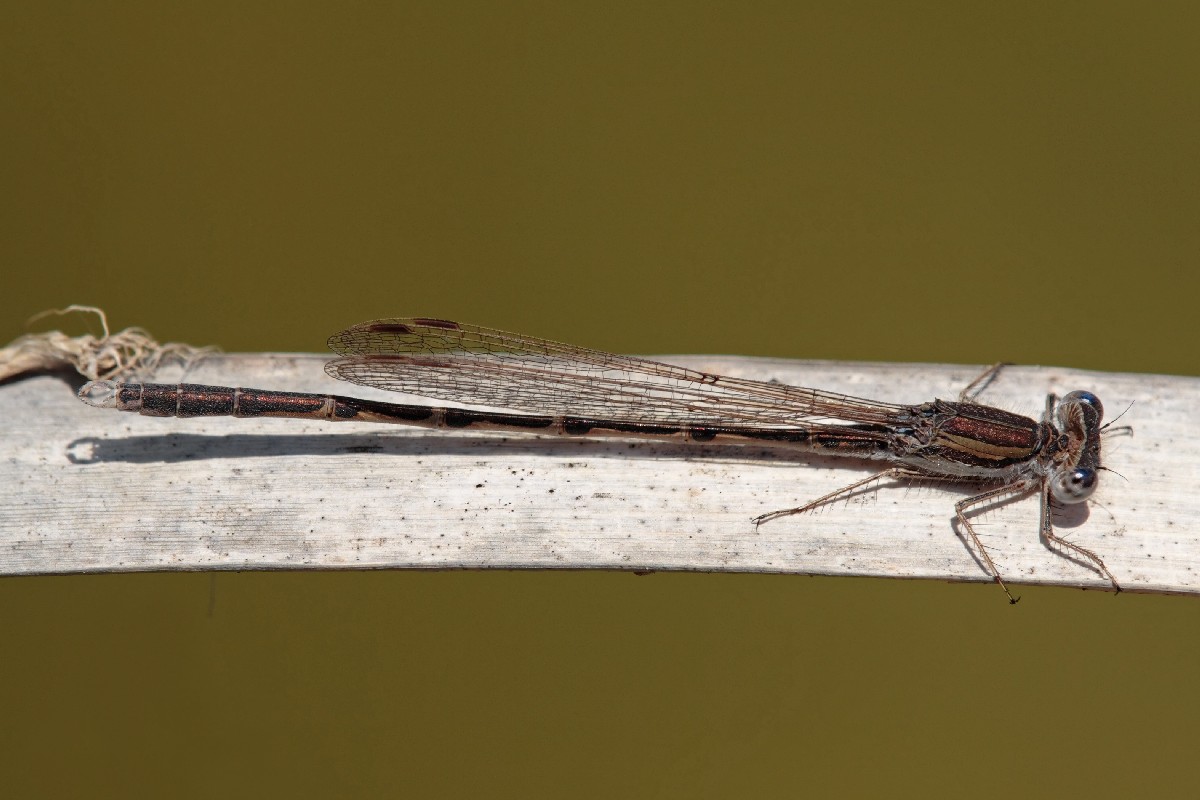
(1051, 537)
(894, 473)
(975, 387)
(960, 510)
(787, 512)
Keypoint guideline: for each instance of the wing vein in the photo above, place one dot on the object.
(482, 366)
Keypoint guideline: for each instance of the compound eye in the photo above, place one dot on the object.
(1087, 398)
(1075, 485)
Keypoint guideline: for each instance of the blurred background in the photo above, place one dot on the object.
(878, 181)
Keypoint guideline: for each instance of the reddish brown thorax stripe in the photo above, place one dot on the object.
(986, 435)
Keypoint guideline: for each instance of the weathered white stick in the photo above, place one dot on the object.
(91, 490)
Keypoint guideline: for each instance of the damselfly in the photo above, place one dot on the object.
(573, 391)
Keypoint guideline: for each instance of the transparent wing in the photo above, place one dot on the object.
(481, 366)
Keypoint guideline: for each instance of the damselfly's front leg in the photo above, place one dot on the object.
(1051, 537)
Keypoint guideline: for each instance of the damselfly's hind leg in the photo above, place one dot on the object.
(895, 473)
(1051, 538)
(976, 387)
(823, 499)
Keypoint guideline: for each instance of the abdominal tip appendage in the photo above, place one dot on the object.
(101, 394)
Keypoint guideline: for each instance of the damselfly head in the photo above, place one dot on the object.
(1079, 416)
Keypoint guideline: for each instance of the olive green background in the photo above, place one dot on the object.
(885, 181)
